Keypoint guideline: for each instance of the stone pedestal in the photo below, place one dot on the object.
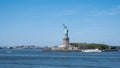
(65, 46)
(66, 42)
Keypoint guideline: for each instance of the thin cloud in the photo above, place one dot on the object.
(109, 12)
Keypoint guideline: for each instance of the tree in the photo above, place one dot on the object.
(90, 46)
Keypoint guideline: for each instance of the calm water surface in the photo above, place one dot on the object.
(38, 59)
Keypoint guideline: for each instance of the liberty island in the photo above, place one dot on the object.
(66, 46)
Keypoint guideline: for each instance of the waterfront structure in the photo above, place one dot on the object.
(91, 50)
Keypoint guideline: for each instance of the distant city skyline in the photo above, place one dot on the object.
(40, 22)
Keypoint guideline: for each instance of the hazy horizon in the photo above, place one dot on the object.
(40, 22)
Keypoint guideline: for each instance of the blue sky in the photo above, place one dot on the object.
(39, 22)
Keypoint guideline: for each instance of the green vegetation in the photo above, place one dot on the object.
(94, 46)
(91, 46)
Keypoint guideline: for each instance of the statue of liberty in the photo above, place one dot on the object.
(65, 30)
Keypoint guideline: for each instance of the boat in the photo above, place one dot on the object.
(91, 50)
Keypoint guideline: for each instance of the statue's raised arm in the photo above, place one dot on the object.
(65, 30)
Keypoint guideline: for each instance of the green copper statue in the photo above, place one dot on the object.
(65, 30)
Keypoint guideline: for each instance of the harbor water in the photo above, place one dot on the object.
(37, 59)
